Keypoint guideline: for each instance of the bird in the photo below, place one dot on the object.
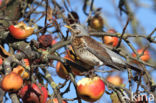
(93, 52)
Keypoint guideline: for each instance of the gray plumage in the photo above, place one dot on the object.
(95, 53)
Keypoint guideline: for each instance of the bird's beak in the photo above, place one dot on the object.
(67, 26)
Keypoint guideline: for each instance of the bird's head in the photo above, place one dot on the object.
(77, 30)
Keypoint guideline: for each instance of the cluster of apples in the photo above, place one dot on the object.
(89, 89)
(13, 82)
(35, 93)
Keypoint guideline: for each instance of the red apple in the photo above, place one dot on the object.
(54, 41)
(26, 61)
(145, 57)
(11, 82)
(21, 30)
(33, 93)
(45, 95)
(55, 101)
(90, 89)
(116, 80)
(1, 61)
(109, 40)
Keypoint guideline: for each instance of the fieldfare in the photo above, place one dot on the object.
(93, 52)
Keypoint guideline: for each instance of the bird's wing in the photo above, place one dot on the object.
(101, 53)
(118, 60)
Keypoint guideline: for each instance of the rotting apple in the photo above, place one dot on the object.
(45, 40)
(55, 100)
(91, 89)
(33, 93)
(21, 71)
(96, 22)
(109, 40)
(116, 80)
(21, 30)
(11, 82)
(62, 71)
(145, 57)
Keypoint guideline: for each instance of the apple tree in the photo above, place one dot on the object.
(39, 65)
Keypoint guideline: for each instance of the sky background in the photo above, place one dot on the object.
(145, 15)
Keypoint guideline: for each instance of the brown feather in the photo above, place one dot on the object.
(91, 43)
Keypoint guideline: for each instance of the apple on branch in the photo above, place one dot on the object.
(91, 89)
(11, 82)
(21, 30)
(109, 40)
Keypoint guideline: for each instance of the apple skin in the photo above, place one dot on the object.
(109, 40)
(145, 57)
(21, 71)
(11, 82)
(116, 80)
(26, 61)
(91, 89)
(45, 94)
(32, 93)
(55, 101)
(61, 70)
(21, 30)
(45, 40)
(53, 42)
(1, 61)
(96, 22)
